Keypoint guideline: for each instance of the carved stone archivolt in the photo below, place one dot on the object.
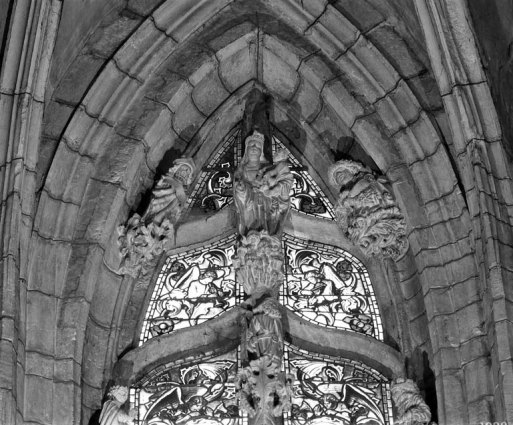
(367, 212)
(142, 239)
(262, 203)
(411, 408)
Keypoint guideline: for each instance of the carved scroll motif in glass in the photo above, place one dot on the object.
(192, 287)
(328, 286)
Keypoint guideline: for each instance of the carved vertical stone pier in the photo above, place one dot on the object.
(261, 194)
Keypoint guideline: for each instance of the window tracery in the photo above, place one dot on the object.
(192, 287)
(328, 286)
(214, 189)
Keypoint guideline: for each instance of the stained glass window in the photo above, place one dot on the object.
(213, 191)
(191, 288)
(199, 393)
(328, 286)
(333, 391)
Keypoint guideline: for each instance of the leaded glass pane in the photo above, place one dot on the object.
(213, 191)
(192, 287)
(335, 391)
(328, 286)
(201, 393)
(306, 196)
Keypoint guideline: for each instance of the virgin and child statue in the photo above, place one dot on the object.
(262, 190)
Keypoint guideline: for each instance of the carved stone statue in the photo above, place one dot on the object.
(142, 239)
(169, 194)
(259, 263)
(261, 190)
(410, 406)
(367, 212)
(112, 411)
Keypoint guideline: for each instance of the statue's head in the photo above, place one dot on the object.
(119, 393)
(342, 172)
(280, 155)
(254, 152)
(183, 170)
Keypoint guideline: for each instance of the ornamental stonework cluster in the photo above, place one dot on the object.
(367, 211)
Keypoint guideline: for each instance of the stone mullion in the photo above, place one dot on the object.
(32, 33)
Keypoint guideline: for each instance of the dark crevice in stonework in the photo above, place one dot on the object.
(358, 37)
(316, 20)
(58, 199)
(131, 76)
(444, 264)
(451, 92)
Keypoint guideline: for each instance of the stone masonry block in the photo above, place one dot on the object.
(143, 7)
(447, 358)
(66, 395)
(164, 85)
(332, 33)
(340, 98)
(94, 353)
(40, 392)
(286, 52)
(48, 263)
(71, 329)
(145, 50)
(419, 331)
(77, 78)
(111, 95)
(447, 331)
(279, 77)
(478, 378)
(67, 370)
(85, 134)
(371, 73)
(69, 181)
(82, 271)
(139, 118)
(105, 297)
(238, 62)
(209, 93)
(474, 348)
(411, 288)
(504, 339)
(181, 18)
(56, 116)
(231, 37)
(97, 214)
(111, 33)
(307, 101)
(119, 161)
(41, 320)
(317, 70)
(426, 91)
(414, 307)
(39, 364)
(439, 301)
(360, 13)
(187, 120)
(453, 396)
(8, 364)
(466, 292)
(396, 50)
(55, 219)
(160, 138)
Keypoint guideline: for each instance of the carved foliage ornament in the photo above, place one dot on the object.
(367, 212)
(411, 407)
(142, 239)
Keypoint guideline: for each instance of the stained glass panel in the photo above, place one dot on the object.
(334, 391)
(191, 288)
(306, 196)
(328, 286)
(201, 393)
(213, 191)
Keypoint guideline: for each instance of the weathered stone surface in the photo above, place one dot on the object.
(307, 101)
(77, 78)
(187, 120)
(360, 13)
(40, 392)
(340, 98)
(209, 93)
(278, 76)
(56, 219)
(55, 118)
(238, 62)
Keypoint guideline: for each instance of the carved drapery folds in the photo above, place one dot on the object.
(367, 212)
(112, 410)
(262, 203)
(410, 406)
(142, 239)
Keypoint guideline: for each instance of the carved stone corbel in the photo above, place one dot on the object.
(367, 212)
(142, 239)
